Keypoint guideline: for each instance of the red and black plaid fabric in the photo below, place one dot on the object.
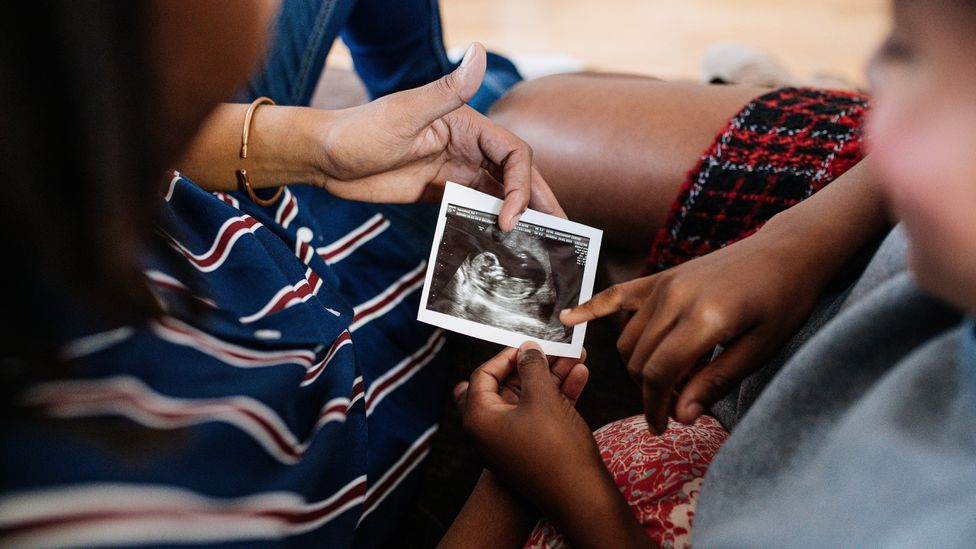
(780, 149)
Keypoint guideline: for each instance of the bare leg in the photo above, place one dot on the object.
(616, 148)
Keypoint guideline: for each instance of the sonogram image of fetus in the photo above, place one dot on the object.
(508, 284)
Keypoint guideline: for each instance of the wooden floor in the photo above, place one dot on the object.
(667, 38)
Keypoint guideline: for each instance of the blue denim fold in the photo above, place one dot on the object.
(395, 45)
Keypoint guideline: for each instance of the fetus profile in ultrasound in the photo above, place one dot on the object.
(517, 281)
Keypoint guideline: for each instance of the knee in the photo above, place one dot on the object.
(532, 103)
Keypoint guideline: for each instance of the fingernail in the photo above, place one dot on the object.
(468, 56)
(562, 317)
(694, 410)
(530, 345)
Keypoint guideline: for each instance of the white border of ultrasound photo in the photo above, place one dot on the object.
(460, 195)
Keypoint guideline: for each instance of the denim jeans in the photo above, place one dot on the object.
(395, 45)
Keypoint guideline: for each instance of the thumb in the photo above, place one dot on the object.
(428, 103)
(533, 369)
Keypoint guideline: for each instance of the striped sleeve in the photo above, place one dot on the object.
(296, 403)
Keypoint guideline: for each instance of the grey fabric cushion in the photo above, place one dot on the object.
(866, 437)
(886, 261)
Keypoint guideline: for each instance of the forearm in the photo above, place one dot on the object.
(492, 517)
(593, 514)
(834, 224)
(284, 147)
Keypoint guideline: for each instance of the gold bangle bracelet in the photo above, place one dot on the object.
(242, 177)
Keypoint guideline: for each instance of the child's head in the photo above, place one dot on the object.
(923, 137)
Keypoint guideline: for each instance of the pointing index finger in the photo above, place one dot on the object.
(626, 296)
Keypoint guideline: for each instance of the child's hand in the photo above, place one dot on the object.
(749, 297)
(519, 410)
(520, 413)
(560, 368)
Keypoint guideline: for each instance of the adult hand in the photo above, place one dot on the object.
(403, 147)
(749, 297)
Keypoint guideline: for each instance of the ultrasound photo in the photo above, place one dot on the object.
(508, 287)
(517, 281)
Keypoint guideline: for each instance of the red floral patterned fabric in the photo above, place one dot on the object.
(658, 475)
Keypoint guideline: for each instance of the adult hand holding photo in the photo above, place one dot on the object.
(401, 148)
